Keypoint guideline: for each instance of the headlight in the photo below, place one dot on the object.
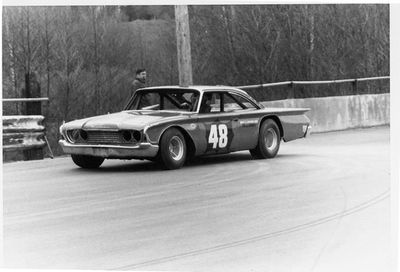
(83, 134)
(73, 135)
(137, 135)
(131, 136)
(127, 135)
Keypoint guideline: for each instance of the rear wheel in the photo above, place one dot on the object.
(269, 140)
(86, 161)
(173, 149)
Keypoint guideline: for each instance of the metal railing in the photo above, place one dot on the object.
(40, 99)
(25, 132)
(291, 83)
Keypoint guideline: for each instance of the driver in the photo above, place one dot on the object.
(206, 103)
(184, 104)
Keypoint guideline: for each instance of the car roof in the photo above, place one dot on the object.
(200, 88)
(205, 88)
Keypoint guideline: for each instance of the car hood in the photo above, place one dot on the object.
(124, 120)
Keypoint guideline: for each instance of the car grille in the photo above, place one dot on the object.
(105, 137)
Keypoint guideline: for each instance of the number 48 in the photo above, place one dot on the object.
(218, 137)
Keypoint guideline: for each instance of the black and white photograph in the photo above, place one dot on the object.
(199, 136)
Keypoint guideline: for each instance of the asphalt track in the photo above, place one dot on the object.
(323, 204)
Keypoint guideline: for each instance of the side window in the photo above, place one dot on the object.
(179, 101)
(233, 102)
(211, 103)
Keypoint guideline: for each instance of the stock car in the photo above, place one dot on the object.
(171, 124)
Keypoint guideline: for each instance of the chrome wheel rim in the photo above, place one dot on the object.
(271, 139)
(176, 148)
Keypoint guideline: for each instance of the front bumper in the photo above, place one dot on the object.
(143, 150)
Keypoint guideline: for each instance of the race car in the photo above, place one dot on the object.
(171, 124)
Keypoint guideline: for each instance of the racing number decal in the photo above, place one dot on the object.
(218, 136)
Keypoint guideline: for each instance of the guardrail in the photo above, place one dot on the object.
(26, 132)
(335, 113)
(23, 132)
(291, 83)
(25, 99)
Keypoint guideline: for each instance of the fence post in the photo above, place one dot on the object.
(355, 86)
(32, 90)
(291, 90)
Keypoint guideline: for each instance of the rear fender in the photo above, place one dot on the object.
(294, 126)
(291, 127)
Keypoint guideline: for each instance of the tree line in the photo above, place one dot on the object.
(85, 56)
(245, 45)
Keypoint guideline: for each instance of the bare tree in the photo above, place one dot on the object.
(68, 56)
(94, 12)
(47, 40)
(9, 56)
(229, 25)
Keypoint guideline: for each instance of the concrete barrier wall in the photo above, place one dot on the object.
(342, 112)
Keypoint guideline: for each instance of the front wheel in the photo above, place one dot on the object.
(173, 149)
(86, 161)
(269, 140)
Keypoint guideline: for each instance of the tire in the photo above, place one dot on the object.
(173, 149)
(86, 161)
(269, 140)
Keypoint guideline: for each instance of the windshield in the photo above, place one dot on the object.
(165, 99)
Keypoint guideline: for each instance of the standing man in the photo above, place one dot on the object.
(139, 82)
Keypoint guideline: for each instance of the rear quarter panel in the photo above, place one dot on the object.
(293, 122)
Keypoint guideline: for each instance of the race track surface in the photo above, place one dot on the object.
(323, 204)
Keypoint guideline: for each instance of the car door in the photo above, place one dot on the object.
(218, 128)
(245, 120)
